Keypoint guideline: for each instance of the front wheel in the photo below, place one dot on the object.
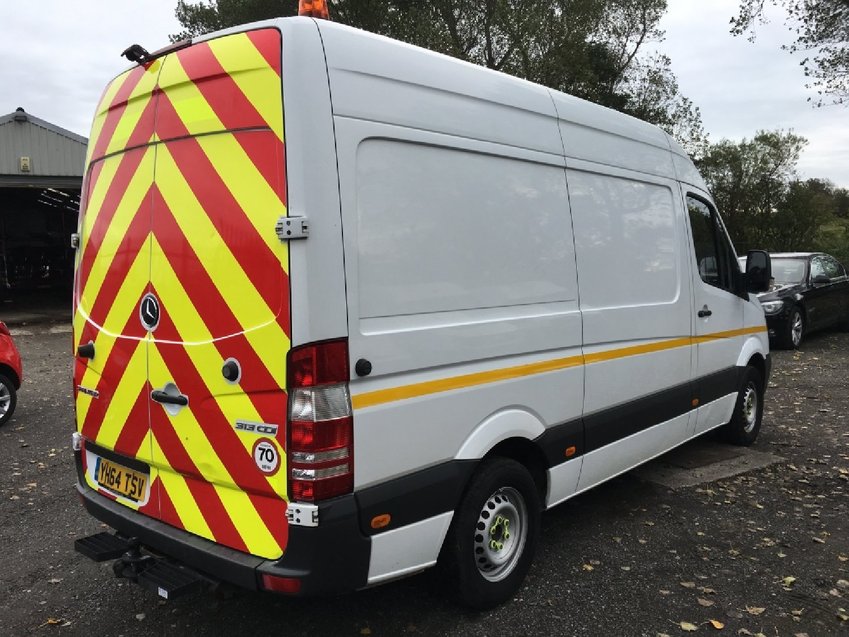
(748, 410)
(794, 330)
(8, 398)
(490, 545)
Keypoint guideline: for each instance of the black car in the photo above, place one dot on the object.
(810, 292)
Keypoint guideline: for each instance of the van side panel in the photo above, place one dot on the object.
(633, 273)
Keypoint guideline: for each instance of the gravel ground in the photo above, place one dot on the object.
(764, 552)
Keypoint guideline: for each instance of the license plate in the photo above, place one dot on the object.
(120, 479)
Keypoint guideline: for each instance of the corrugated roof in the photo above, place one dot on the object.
(52, 150)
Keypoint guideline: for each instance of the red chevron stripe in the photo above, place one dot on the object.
(216, 516)
(152, 507)
(267, 42)
(272, 511)
(116, 111)
(133, 242)
(218, 88)
(136, 427)
(232, 222)
(130, 162)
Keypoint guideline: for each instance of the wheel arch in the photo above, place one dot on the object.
(8, 371)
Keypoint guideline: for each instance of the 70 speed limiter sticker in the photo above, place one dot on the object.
(266, 456)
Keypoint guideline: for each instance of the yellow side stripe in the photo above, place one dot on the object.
(393, 394)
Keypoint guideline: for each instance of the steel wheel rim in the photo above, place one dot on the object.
(750, 408)
(5, 399)
(500, 534)
(796, 328)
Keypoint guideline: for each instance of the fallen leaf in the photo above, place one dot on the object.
(54, 580)
(704, 602)
(754, 610)
(688, 584)
(707, 590)
(797, 613)
(818, 540)
(717, 624)
(841, 614)
(687, 626)
(588, 567)
(365, 631)
(788, 581)
(843, 558)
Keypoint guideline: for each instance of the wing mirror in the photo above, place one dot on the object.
(758, 271)
(821, 279)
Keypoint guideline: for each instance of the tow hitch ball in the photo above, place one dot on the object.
(132, 563)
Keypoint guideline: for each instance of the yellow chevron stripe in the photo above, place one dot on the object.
(138, 100)
(184, 502)
(248, 523)
(382, 396)
(123, 399)
(124, 306)
(131, 203)
(191, 106)
(102, 110)
(252, 74)
(96, 197)
(249, 187)
(247, 304)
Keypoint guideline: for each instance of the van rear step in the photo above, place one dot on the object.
(166, 579)
(101, 546)
(170, 581)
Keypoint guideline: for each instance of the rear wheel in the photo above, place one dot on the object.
(8, 398)
(748, 411)
(794, 330)
(492, 539)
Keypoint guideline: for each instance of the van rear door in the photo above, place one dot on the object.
(214, 308)
(220, 275)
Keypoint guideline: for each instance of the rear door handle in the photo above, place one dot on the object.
(168, 399)
(704, 312)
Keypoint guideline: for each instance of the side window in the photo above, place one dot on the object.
(833, 269)
(714, 254)
(817, 267)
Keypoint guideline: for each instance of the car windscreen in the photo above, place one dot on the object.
(788, 271)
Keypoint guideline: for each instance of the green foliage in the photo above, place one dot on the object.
(588, 48)
(821, 30)
(764, 203)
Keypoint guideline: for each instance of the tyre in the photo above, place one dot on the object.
(491, 542)
(8, 398)
(794, 330)
(748, 410)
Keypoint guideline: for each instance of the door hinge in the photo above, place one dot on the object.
(299, 514)
(75, 240)
(288, 228)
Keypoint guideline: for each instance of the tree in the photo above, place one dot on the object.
(821, 29)
(588, 48)
(764, 202)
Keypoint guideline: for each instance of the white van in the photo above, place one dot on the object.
(346, 309)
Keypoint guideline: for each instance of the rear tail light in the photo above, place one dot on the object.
(321, 424)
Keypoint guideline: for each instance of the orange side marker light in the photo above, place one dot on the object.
(381, 521)
(695, 402)
(571, 451)
(314, 9)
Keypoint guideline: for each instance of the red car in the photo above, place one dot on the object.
(11, 374)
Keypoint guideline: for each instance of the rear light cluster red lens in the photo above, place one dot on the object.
(321, 425)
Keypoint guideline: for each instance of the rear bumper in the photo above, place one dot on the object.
(331, 558)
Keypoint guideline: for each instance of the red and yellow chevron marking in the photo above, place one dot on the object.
(186, 181)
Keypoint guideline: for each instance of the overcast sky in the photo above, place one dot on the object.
(57, 55)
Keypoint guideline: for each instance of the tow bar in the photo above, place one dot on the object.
(166, 579)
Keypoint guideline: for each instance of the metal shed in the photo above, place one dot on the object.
(41, 174)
